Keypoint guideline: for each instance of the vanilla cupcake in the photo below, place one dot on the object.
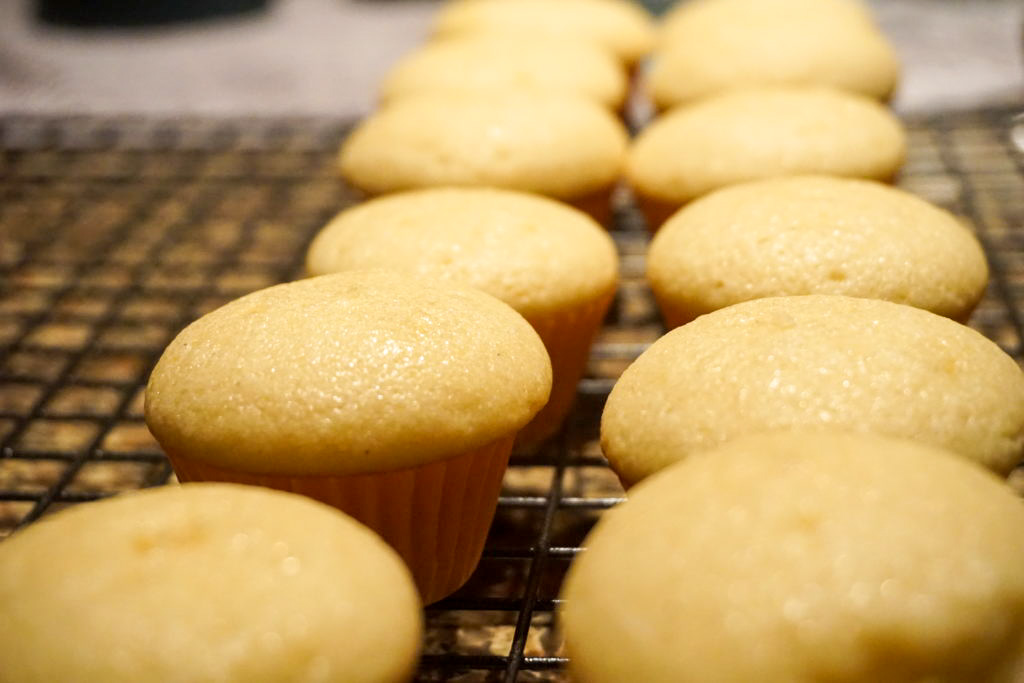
(678, 21)
(393, 398)
(810, 362)
(551, 263)
(711, 46)
(567, 148)
(619, 26)
(498, 64)
(814, 235)
(205, 582)
(756, 133)
(799, 558)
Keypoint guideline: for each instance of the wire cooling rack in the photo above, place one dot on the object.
(115, 233)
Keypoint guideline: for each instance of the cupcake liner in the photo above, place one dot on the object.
(673, 315)
(567, 335)
(436, 516)
(598, 205)
(655, 211)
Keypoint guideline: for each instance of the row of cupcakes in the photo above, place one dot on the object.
(397, 397)
(573, 150)
(479, 105)
(816, 480)
(508, 107)
(438, 327)
(394, 398)
(816, 492)
(823, 369)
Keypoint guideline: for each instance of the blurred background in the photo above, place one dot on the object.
(325, 57)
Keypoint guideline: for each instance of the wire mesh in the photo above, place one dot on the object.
(115, 233)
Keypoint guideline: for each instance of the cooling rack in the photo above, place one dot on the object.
(116, 232)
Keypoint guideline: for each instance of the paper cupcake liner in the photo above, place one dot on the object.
(673, 315)
(655, 211)
(436, 516)
(567, 335)
(598, 205)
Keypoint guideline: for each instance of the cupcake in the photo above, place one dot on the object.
(677, 22)
(815, 361)
(205, 582)
(619, 26)
(490, 64)
(711, 46)
(814, 235)
(549, 262)
(393, 398)
(756, 133)
(564, 147)
(802, 557)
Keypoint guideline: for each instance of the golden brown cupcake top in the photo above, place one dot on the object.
(712, 14)
(501, 63)
(815, 361)
(561, 146)
(621, 27)
(533, 253)
(711, 45)
(800, 558)
(816, 235)
(354, 372)
(754, 133)
(205, 582)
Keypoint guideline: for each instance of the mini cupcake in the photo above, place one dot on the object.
(678, 20)
(815, 362)
(490, 64)
(564, 147)
(205, 582)
(619, 26)
(803, 557)
(711, 46)
(551, 263)
(814, 235)
(392, 398)
(756, 133)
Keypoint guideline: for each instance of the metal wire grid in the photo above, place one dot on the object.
(115, 233)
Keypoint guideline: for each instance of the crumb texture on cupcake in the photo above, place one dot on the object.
(800, 558)
(205, 582)
(708, 47)
(755, 133)
(619, 26)
(354, 372)
(500, 64)
(815, 361)
(533, 253)
(561, 146)
(814, 235)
